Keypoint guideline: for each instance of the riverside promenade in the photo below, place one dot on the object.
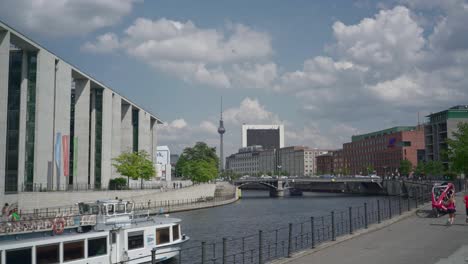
(415, 237)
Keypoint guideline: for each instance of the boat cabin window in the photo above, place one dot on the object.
(129, 208)
(120, 208)
(88, 208)
(23, 256)
(175, 232)
(136, 240)
(110, 209)
(97, 246)
(162, 236)
(73, 250)
(113, 238)
(47, 254)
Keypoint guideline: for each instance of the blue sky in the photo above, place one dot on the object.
(325, 69)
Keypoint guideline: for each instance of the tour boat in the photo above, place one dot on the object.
(103, 232)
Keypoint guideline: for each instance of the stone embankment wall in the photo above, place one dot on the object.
(37, 200)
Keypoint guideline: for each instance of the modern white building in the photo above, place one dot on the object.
(59, 127)
(267, 136)
(163, 163)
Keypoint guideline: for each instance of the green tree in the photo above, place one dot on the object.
(420, 169)
(405, 167)
(434, 168)
(198, 163)
(458, 149)
(370, 169)
(135, 165)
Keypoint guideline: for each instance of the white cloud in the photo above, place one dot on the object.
(196, 55)
(250, 111)
(65, 17)
(106, 43)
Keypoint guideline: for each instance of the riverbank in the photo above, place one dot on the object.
(413, 237)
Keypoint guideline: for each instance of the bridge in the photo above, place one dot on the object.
(351, 185)
(277, 187)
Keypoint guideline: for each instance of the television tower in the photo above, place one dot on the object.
(221, 131)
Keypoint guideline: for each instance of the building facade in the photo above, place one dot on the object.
(60, 128)
(246, 161)
(311, 160)
(163, 163)
(338, 162)
(267, 136)
(382, 151)
(441, 126)
(325, 164)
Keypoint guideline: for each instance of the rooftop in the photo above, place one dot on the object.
(382, 132)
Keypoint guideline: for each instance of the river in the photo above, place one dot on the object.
(257, 211)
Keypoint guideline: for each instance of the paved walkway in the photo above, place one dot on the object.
(415, 239)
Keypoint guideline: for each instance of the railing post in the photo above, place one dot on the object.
(350, 220)
(365, 216)
(415, 195)
(260, 247)
(224, 250)
(409, 202)
(389, 208)
(333, 225)
(203, 252)
(243, 250)
(312, 232)
(378, 211)
(153, 256)
(289, 240)
(399, 204)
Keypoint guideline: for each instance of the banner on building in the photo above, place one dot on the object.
(66, 155)
(58, 152)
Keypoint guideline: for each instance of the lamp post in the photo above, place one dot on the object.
(279, 169)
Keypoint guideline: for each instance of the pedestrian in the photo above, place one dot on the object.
(465, 200)
(5, 210)
(180, 185)
(451, 208)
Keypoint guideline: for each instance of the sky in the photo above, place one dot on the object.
(327, 70)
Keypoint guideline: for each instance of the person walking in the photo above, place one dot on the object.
(465, 200)
(451, 209)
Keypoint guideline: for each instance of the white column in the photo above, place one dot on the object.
(22, 121)
(92, 136)
(62, 112)
(107, 129)
(144, 135)
(44, 163)
(82, 101)
(4, 65)
(116, 129)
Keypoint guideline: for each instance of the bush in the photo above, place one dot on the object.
(118, 184)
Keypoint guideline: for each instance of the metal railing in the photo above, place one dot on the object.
(268, 245)
(39, 187)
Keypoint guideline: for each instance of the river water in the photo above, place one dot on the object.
(257, 211)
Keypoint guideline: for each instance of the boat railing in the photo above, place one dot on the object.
(34, 224)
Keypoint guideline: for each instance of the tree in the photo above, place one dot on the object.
(135, 165)
(405, 167)
(198, 163)
(434, 168)
(420, 169)
(370, 169)
(457, 151)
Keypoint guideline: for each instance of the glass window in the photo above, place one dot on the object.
(135, 240)
(73, 250)
(97, 246)
(175, 232)
(23, 256)
(47, 254)
(120, 208)
(162, 236)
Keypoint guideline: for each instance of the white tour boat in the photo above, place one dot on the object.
(105, 232)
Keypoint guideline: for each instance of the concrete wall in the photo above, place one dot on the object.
(27, 201)
(126, 128)
(4, 65)
(82, 129)
(22, 124)
(44, 147)
(144, 135)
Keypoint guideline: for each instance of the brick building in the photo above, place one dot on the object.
(325, 163)
(383, 150)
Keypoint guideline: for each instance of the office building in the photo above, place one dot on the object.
(441, 126)
(163, 163)
(59, 127)
(245, 162)
(382, 151)
(267, 136)
(325, 164)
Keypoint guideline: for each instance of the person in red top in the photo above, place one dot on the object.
(450, 204)
(465, 200)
